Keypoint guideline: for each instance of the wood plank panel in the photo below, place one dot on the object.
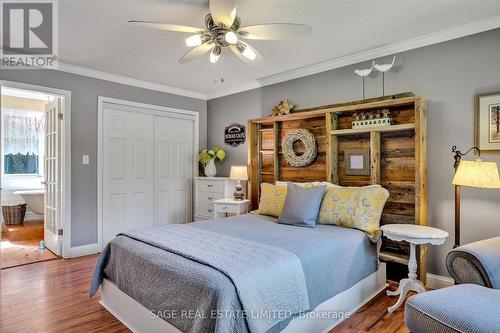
(253, 163)
(375, 157)
(421, 179)
(276, 157)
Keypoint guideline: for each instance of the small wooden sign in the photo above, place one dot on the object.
(234, 135)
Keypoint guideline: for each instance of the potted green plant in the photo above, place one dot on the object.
(207, 158)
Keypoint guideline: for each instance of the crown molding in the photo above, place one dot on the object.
(63, 67)
(410, 44)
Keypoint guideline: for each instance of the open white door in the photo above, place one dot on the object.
(53, 221)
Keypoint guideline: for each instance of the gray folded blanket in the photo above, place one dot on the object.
(274, 285)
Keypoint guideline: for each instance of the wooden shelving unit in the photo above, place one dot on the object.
(397, 159)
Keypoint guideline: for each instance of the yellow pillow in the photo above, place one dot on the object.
(272, 199)
(354, 207)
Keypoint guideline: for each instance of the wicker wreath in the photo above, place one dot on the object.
(309, 142)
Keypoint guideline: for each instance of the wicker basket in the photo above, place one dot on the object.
(13, 213)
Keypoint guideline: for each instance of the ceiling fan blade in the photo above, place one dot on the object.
(223, 11)
(239, 50)
(166, 26)
(196, 52)
(274, 31)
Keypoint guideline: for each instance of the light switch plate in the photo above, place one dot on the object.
(85, 159)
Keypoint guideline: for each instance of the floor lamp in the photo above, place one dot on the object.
(475, 173)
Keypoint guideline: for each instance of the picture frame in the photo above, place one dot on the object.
(357, 162)
(487, 122)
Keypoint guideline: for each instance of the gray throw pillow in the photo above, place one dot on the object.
(302, 205)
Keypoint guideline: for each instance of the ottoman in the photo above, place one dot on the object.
(467, 308)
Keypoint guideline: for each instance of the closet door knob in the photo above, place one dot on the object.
(210, 198)
(209, 185)
(210, 210)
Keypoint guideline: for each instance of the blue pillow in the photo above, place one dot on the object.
(302, 205)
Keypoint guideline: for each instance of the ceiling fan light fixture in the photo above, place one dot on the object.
(249, 53)
(230, 37)
(215, 54)
(194, 40)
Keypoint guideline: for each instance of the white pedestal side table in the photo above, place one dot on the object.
(415, 235)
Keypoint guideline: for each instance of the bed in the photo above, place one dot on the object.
(152, 286)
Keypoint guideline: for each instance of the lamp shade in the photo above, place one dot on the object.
(477, 174)
(238, 172)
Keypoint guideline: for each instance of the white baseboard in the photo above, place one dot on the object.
(84, 250)
(438, 281)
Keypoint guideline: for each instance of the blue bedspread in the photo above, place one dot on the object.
(162, 279)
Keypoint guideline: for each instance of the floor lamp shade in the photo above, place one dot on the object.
(477, 174)
(472, 174)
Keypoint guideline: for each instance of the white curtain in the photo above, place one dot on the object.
(23, 132)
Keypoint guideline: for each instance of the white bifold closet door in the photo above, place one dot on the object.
(147, 170)
(173, 170)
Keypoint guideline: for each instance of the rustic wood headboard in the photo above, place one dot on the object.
(397, 158)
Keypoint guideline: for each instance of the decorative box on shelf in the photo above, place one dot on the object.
(209, 189)
(372, 119)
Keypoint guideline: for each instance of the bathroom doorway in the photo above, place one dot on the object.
(32, 191)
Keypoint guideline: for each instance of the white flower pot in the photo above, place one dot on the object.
(210, 170)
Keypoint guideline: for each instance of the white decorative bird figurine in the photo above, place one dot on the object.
(364, 73)
(384, 68)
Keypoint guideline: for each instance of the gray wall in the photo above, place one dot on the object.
(448, 75)
(84, 92)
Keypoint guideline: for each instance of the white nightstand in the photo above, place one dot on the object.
(415, 235)
(223, 207)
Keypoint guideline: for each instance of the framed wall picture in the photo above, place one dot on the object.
(487, 122)
(357, 162)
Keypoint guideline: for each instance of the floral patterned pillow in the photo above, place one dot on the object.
(354, 207)
(272, 199)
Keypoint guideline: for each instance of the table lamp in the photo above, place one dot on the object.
(473, 174)
(238, 173)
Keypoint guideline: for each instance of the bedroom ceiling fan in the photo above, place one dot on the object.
(223, 30)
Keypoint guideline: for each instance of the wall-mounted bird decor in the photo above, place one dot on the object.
(384, 68)
(364, 73)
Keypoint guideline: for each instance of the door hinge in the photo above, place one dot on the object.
(60, 115)
(60, 232)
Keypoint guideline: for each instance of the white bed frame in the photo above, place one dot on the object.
(138, 319)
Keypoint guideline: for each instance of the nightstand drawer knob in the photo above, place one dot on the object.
(210, 198)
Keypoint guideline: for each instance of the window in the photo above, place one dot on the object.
(23, 142)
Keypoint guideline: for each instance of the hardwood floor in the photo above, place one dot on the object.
(52, 296)
(16, 253)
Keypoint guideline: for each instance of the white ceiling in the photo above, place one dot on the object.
(94, 34)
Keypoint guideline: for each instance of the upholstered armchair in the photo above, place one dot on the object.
(477, 263)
